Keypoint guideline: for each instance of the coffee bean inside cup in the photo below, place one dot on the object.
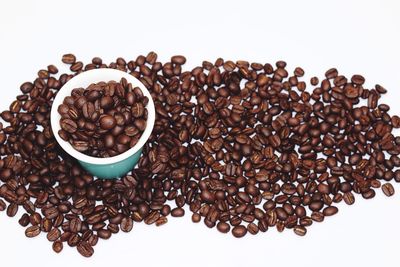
(105, 119)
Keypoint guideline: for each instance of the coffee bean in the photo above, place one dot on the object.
(85, 249)
(88, 109)
(54, 234)
(68, 125)
(348, 198)
(57, 246)
(106, 102)
(300, 230)
(104, 234)
(24, 220)
(223, 227)
(80, 146)
(126, 224)
(177, 212)
(196, 217)
(107, 122)
(12, 210)
(178, 60)
(239, 231)
(161, 221)
(3, 205)
(68, 59)
(329, 211)
(75, 225)
(388, 189)
(32, 231)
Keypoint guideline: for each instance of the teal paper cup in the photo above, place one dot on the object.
(112, 167)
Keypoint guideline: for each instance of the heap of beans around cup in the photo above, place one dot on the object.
(244, 146)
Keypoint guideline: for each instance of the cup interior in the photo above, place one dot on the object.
(83, 80)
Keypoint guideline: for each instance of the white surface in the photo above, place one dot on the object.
(85, 79)
(354, 36)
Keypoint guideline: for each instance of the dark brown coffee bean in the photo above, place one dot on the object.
(196, 218)
(107, 122)
(80, 146)
(331, 73)
(126, 224)
(68, 125)
(388, 189)
(161, 221)
(329, 211)
(348, 198)
(32, 231)
(239, 231)
(104, 234)
(358, 79)
(57, 246)
(3, 205)
(75, 225)
(68, 59)
(12, 210)
(223, 227)
(77, 66)
(85, 249)
(140, 124)
(24, 220)
(54, 234)
(177, 212)
(300, 230)
(106, 102)
(87, 110)
(314, 81)
(178, 60)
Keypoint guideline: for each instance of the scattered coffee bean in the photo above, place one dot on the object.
(57, 246)
(32, 231)
(246, 146)
(388, 189)
(85, 249)
(239, 231)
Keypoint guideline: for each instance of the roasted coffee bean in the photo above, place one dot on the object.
(57, 246)
(54, 234)
(68, 125)
(178, 60)
(3, 205)
(329, 211)
(223, 227)
(300, 230)
(107, 122)
(68, 59)
(177, 212)
(32, 231)
(388, 189)
(239, 231)
(12, 210)
(85, 249)
(24, 220)
(126, 224)
(104, 234)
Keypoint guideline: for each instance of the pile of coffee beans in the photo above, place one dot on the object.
(246, 146)
(105, 119)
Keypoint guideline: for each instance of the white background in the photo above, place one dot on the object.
(354, 36)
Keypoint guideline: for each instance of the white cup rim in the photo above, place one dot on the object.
(84, 79)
